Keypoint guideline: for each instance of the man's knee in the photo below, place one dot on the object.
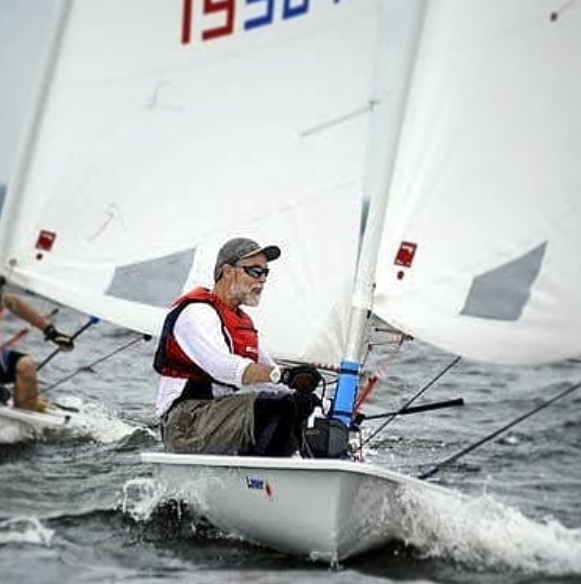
(26, 368)
(274, 421)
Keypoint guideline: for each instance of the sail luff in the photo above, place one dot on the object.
(394, 74)
(13, 204)
(386, 123)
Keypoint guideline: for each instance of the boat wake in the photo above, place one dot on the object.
(93, 420)
(141, 497)
(484, 533)
(68, 417)
(477, 532)
(25, 530)
(154, 509)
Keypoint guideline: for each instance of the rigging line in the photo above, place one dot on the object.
(434, 469)
(294, 362)
(412, 399)
(80, 331)
(338, 120)
(365, 392)
(414, 409)
(381, 372)
(96, 362)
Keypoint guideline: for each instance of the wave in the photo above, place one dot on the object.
(483, 533)
(25, 529)
(72, 418)
(479, 533)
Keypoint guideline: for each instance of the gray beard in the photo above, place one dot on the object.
(245, 297)
(251, 299)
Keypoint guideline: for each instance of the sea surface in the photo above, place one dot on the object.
(84, 509)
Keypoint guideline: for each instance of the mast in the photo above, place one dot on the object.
(400, 25)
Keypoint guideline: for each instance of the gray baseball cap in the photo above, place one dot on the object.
(240, 248)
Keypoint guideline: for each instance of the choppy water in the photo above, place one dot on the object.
(85, 509)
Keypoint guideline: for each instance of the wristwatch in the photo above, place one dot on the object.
(275, 375)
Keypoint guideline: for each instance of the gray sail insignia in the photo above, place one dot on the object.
(2, 196)
(156, 282)
(502, 293)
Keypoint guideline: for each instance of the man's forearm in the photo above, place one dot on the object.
(24, 310)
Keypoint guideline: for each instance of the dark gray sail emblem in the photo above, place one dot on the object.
(502, 293)
(156, 282)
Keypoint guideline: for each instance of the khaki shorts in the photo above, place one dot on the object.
(217, 426)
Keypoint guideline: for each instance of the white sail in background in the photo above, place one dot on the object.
(161, 131)
(484, 212)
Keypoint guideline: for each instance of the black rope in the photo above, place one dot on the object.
(80, 331)
(412, 410)
(90, 366)
(434, 469)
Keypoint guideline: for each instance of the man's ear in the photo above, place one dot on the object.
(227, 269)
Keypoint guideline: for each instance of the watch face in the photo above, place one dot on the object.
(275, 375)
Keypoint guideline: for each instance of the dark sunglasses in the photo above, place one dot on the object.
(255, 271)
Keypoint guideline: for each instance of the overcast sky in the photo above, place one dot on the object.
(24, 26)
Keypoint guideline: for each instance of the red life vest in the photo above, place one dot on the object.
(237, 328)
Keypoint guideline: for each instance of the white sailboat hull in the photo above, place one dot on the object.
(327, 510)
(17, 425)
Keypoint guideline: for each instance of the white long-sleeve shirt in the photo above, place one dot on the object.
(199, 333)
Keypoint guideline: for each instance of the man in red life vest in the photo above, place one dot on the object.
(220, 392)
(19, 368)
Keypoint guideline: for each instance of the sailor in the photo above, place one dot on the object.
(220, 391)
(19, 368)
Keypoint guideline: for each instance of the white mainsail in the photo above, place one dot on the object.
(161, 131)
(484, 212)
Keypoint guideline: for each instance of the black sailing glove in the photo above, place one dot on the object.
(303, 378)
(64, 342)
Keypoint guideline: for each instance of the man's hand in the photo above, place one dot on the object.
(303, 378)
(64, 342)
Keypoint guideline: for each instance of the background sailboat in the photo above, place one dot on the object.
(187, 128)
(169, 130)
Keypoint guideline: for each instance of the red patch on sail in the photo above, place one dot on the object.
(45, 240)
(405, 254)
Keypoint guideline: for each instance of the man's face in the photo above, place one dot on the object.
(247, 279)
